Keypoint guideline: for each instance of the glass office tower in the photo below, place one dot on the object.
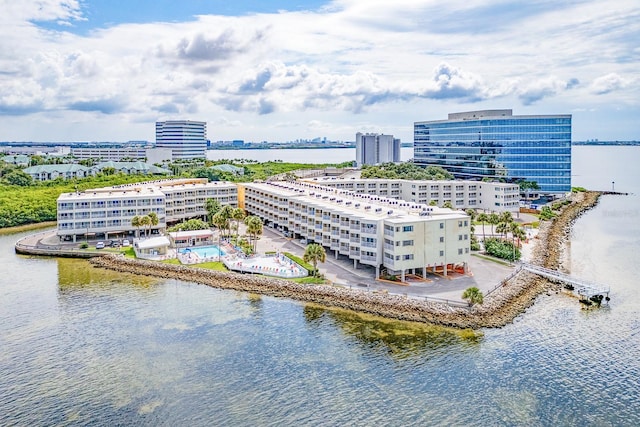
(187, 139)
(498, 145)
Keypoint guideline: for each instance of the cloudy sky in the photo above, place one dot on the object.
(278, 70)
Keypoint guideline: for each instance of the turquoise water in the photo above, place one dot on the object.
(204, 251)
(83, 346)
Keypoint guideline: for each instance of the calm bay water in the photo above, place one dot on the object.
(318, 156)
(80, 346)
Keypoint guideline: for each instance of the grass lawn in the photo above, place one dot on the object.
(27, 227)
(129, 252)
(309, 280)
(215, 265)
(493, 259)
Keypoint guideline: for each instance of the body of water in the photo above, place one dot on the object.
(81, 346)
(318, 156)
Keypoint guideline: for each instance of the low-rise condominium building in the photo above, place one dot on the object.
(387, 234)
(105, 212)
(487, 196)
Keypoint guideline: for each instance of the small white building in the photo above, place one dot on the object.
(153, 248)
(183, 239)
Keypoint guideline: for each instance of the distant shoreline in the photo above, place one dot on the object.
(269, 146)
(272, 147)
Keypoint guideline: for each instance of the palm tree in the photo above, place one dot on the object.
(517, 232)
(135, 222)
(502, 228)
(494, 219)
(238, 215)
(154, 219)
(482, 217)
(473, 295)
(506, 216)
(227, 213)
(472, 214)
(145, 222)
(447, 204)
(504, 223)
(212, 207)
(314, 253)
(221, 223)
(254, 228)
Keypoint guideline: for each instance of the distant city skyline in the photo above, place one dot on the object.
(285, 70)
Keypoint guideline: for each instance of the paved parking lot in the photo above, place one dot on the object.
(483, 274)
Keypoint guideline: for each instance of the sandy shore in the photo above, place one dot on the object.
(499, 308)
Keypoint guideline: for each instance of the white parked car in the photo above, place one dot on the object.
(126, 242)
(100, 245)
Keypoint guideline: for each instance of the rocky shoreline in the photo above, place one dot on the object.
(500, 306)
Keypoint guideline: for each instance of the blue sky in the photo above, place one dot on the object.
(104, 13)
(98, 70)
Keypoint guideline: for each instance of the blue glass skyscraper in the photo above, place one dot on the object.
(496, 144)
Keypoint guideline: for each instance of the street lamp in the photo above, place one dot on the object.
(613, 186)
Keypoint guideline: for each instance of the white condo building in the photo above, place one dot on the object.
(488, 196)
(383, 233)
(373, 149)
(115, 154)
(108, 211)
(187, 139)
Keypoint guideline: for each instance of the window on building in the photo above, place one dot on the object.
(407, 228)
(407, 243)
(441, 253)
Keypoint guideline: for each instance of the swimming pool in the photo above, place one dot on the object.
(204, 251)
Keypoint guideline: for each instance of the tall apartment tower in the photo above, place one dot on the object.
(497, 145)
(187, 139)
(372, 149)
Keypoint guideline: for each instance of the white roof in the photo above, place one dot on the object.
(153, 242)
(192, 233)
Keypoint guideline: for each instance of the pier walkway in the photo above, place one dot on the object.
(582, 288)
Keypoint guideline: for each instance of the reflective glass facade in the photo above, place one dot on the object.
(476, 146)
(187, 139)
